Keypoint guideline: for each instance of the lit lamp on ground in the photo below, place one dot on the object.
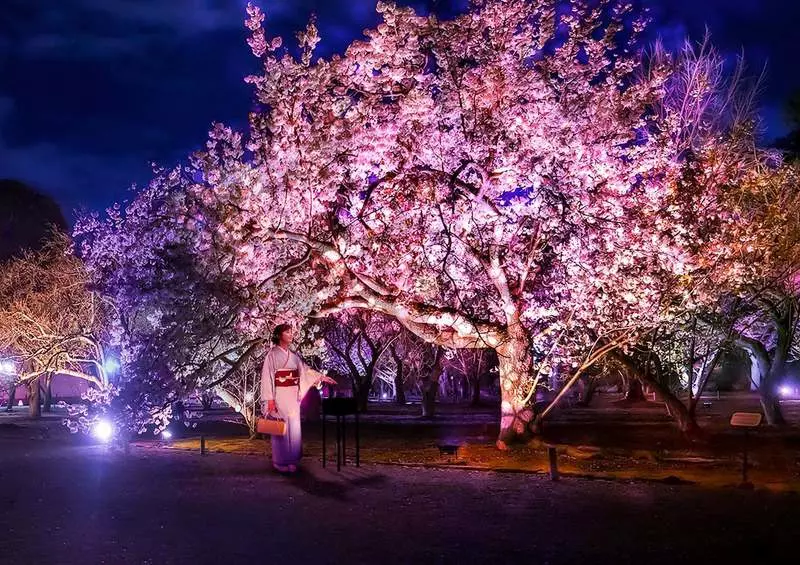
(103, 431)
(110, 365)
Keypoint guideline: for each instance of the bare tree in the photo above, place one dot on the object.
(471, 365)
(358, 342)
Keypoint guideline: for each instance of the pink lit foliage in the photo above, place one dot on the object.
(186, 325)
(765, 319)
(513, 179)
(724, 205)
(179, 326)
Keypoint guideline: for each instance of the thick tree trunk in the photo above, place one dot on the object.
(361, 386)
(399, 390)
(516, 415)
(362, 396)
(589, 387)
(12, 398)
(784, 326)
(634, 391)
(34, 408)
(430, 386)
(772, 410)
(701, 386)
(429, 401)
(766, 370)
(476, 391)
(48, 394)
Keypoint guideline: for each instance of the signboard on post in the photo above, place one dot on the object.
(746, 419)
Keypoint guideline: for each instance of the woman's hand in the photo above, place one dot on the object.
(271, 407)
(325, 379)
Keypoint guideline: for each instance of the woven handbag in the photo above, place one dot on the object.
(271, 426)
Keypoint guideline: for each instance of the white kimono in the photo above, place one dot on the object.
(286, 450)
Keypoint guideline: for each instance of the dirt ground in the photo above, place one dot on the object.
(606, 440)
(77, 504)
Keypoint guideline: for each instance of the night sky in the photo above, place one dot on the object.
(93, 91)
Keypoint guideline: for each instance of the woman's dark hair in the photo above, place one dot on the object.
(276, 333)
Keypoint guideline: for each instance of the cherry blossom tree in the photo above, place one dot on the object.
(516, 179)
(52, 322)
(178, 325)
(730, 195)
(765, 319)
(513, 179)
(185, 324)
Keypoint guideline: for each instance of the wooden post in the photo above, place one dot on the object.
(202, 445)
(338, 442)
(358, 443)
(745, 483)
(324, 449)
(747, 421)
(552, 457)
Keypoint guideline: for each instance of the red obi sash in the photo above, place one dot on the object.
(287, 377)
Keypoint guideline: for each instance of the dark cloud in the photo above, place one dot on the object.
(106, 29)
(92, 91)
(98, 94)
(75, 178)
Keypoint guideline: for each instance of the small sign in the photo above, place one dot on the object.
(746, 419)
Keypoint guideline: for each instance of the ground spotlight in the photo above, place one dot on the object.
(110, 365)
(166, 434)
(103, 431)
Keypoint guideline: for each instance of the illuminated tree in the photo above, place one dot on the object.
(766, 318)
(511, 179)
(730, 197)
(515, 179)
(759, 315)
(185, 325)
(52, 322)
(177, 324)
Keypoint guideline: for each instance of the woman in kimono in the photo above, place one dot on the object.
(285, 379)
